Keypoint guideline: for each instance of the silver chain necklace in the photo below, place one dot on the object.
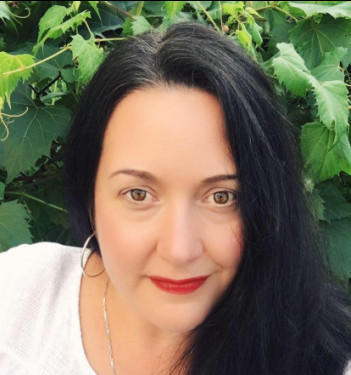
(107, 327)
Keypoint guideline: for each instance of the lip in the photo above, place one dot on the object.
(184, 286)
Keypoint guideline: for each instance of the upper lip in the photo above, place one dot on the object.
(178, 282)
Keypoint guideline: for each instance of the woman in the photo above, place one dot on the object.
(181, 180)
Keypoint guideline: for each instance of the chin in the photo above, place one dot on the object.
(180, 322)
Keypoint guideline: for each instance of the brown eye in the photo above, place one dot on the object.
(221, 197)
(138, 194)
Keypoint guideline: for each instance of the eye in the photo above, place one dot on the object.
(224, 198)
(138, 195)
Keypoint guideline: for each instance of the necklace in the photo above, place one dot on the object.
(107, 327)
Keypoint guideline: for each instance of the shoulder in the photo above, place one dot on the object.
(43, 267)
(36, 255)
(39, 289)
(35, 262)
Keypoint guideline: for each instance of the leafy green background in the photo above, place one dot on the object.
(49, 51)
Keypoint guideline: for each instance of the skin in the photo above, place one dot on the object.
(166, 204)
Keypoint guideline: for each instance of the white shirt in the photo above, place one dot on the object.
(40, 331)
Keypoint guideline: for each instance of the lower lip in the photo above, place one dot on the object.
(178, 287)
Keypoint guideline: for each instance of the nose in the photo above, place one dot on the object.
(179, 240)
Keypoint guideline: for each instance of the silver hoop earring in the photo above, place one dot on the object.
(82, 257)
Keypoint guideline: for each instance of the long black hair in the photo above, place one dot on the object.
(281, 315)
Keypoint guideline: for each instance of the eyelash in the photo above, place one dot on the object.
(232, 197)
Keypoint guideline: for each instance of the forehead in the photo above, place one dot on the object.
(155, 127)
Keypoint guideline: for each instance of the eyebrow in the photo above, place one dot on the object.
(150, 177)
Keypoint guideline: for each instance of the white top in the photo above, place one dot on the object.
(40, 331)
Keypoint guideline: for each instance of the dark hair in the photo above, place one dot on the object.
(281, 314)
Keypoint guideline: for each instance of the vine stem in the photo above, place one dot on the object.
(88, 27)
(207, 15)
(108, 39)
(66, 48)
(120, 11)
(220, 15)
(140, 7)
(24, 195)
(21, 17)
(20, 115)
(278, 9)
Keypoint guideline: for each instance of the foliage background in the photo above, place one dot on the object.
(49, 50)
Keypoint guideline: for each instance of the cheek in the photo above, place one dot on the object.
(226, 244)
(124, 245)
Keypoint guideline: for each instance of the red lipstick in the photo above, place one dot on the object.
(184, 286)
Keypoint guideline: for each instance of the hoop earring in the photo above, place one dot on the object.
(82, 257)
(91, 218)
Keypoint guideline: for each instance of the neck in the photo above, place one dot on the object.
(137, 345)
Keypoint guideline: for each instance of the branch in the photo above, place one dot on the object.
(208, 15)
(25, 195)
(120, 11)
(66, 48)
(278, 9)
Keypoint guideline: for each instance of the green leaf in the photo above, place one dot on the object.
(125, 5)
(110, 20)
(94, 5)
(9, 63)
(294, 12)
(332, 104)
(342, 9)
(70, 75)
(52, 18)
(244, 37)
(340, 245)
(173, 7)
(206, 4)
(215, 12)
(2, 190)
(228, 9)
(233, 9)
(127, 27)
(51, 68)
(329, 69)
(346, 61)
(140, 25)
(317, 204)
(31, 134)
(75, 5)
(14, 228)
(290, 70)
(256, 31)
(155, 7)
(58, 31)
(89, 56)
(324, 157)
(336, 206)
(5, 12)
(313, 39)
(47, 223)
(179, 17)
(276, 27)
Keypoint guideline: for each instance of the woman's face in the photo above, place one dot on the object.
(166, 210)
